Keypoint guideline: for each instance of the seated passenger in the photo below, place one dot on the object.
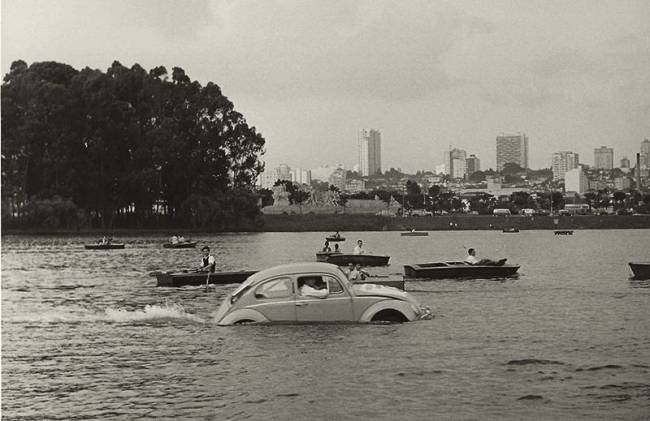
(313, 288)
(472, 260)
(358, 249)
(337, 249)
(327, 248)
(358, 274)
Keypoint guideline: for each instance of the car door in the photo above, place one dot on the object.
(275, 299)
(336, 307)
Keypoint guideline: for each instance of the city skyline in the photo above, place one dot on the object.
(307, 75)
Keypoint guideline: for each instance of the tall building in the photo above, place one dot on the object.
(563, 161)
(456, 163)
(301, 176)
(575, 180)
(369, 151)
(512, 149)
(604, 158)
(625, 163)
(645, 153)
(473, 164)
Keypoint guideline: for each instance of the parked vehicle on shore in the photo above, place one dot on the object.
(285, 294)
(501, 212)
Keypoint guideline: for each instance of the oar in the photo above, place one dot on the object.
(207, 280)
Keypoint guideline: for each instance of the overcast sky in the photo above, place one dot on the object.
(572, 75)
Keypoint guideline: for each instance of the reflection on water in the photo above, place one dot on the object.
(87, 334)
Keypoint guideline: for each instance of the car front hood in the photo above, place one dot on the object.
(382, 291)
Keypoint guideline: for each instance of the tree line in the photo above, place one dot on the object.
(123, 148)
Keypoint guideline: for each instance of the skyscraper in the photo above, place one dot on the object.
(564, 161)
(473, 164)
(604, 158)
(645, 153)
(456, 163)
(369, 152)
(576, 181)
(625, 163)
(512, 149)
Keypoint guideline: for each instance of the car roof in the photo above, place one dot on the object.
(289, 269)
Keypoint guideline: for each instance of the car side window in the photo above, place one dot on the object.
(276, 288)
(333, 285)
(313, 281)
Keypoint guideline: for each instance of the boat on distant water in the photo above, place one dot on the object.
(107, 246)
(564, 232)
(342, 259)
(181, 245)
(450, 270)
(171, 279)
(334, 238)
(414, 234)
(511, 230)
(641, 270)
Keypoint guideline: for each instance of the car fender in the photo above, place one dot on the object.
(401, 306)
(243, 314)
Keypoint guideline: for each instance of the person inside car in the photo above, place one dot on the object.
(313, 287)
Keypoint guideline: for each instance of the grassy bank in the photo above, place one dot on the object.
(311, 222)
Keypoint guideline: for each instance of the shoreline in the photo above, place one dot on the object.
(342, 222)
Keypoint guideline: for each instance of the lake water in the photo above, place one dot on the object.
(88, 335)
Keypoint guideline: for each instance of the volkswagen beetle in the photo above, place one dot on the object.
(314, 293)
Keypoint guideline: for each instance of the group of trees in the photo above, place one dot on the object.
(125, 147)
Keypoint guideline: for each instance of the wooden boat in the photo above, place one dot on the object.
(334, 238)
(414, 234)
(181, 245)
(342, 259)
(169, 279)
(511, 230)
(109, 246)
(564, 232)
(448, 270)
(641, 270)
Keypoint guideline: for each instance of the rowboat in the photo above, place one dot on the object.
(334, 238)
(395, 283)
(343, 259)
(448, 270)
(564, 232)
(511, 230)
(170, 279)
(641, 270)
(181, 245)
(414, 234)
(110, 246)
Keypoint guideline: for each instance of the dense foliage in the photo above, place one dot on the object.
(123, 148)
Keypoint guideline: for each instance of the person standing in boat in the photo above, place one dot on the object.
(358, 249)
(208, 262)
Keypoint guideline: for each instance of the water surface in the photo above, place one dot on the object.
(87, 334)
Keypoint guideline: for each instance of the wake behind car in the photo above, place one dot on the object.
(314, 293)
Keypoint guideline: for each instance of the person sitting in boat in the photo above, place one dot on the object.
(358, 249)
(174, 239)
(103, 241)
(337, 249)
(181, 239)
(337, 235)
(327, 248)
(358, 274)
(349, 270)
(472, 260)
(208, 262)
(314, 287)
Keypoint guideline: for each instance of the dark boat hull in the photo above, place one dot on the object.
(333, 239)
(183, 245)
(201, 278)
(453, 270)
(103, 246)
(343, 259)
(415, 234)
(641, 270)
(511, 230)
(564, 232)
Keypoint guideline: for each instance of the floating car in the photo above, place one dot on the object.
(315, 293)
